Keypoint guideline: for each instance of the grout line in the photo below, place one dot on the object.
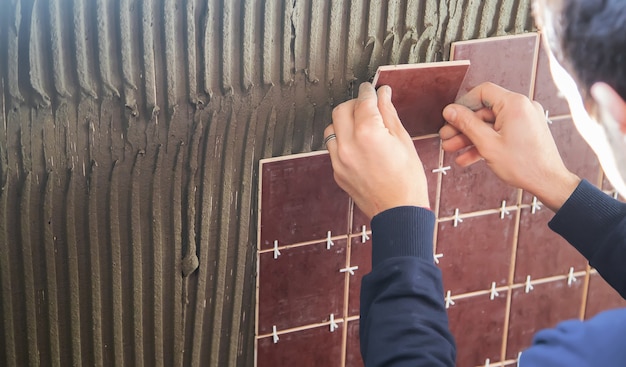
(438, 197)
(533, 75)
(424, 137)
(302, 328)
(346, 287)
(555, 278)
(511, 281)
(480, 213)
(583, 306)
(302, 244)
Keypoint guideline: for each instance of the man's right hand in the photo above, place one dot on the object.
(511, 134)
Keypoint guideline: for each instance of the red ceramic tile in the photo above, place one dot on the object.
(302, 286)
(477, 324)
(507, 61)
(421, 91)
(300, 201)
(472, 188)
(577, 155)
(353, 348)
(475, 253)
(361, 256)
(601, 297)
(546, 91)
(428, 150)
(541, 253)
(311, 347)
(543, 307)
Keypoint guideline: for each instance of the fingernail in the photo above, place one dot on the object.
(387, 91)
(449, 113)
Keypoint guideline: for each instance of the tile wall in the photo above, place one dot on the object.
(506, 275)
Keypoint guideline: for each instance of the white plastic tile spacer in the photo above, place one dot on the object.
(457, 219)
(503, 210)
(449, 301)
(494, 293)
(570, 277)
(529, 286)
(437, 257)
(329, 242)
(487, 362)
(275, 334)
(364, 236)
(443, 170)
(536, 205)
(519, 356)
(276, 251)
(333, 324)
(548, 117)
(349, 270)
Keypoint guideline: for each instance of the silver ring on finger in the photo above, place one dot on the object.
(329, 138)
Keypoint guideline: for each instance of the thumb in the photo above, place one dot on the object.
(465, 120)
(389, 112)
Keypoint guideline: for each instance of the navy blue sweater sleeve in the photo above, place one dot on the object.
(403, 316)
(595, 224)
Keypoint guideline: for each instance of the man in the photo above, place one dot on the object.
(403, 318)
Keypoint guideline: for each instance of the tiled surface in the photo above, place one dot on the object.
(312, 347)
(546, 92)
(507, 61)
(302, 286)
(534, 237)
(421, 91)
(542, 307)
(353, 349)
(601, 297)
(300, 203)
(476, 253)
(361, 256)
(478, 318)
(472, 188)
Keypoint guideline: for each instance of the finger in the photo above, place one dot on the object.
(456, 143)
(343, 119)
(463, 119)
(331, 145)
(389, 112)
(366, 107)
(487, 95)
(448, 131)
(468, 158)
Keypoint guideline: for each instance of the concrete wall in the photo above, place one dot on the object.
(130, 137)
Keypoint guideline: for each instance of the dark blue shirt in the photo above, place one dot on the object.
(403, 315)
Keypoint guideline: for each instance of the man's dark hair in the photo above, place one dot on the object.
(593, 42)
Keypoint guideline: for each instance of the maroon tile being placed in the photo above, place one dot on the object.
(361, 256)
(543, 307)
(475, 253)
(477, 324)
(421, 91)
(507, 61)
(546, 91)
(601, 297)
(577, 155)
(541, 253)
(302, 286)
(472, 188)
(353, 348)
(300, 201)
(428, 150)
(311, 347)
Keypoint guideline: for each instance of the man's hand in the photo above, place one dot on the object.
(373, 157)
(511, 133)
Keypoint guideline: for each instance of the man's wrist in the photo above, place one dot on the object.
(555, 193)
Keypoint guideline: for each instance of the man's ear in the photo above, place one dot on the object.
(610, 104)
